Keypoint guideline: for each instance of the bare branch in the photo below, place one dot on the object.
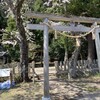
(17, 7)
(11, 36)
(10, 4)
(4, 31)
(16, 38)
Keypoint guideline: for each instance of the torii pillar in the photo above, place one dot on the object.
(46, 62)
(45, 29)
(97, 43)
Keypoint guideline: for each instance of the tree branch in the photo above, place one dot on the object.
(10, 4)
(12, 37)
(19, 4)
(4, 31)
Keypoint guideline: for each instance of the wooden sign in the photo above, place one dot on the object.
(5, 72)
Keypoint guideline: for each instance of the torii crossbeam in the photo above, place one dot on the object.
(61, 18)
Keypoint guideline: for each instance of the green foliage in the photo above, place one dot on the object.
(92, 89)
(89, 8)
(84, 49)
(37, 6)
(55, 10)
(76, 7)
(3, 20)
(11, 24)
(58, 47)
(17, 78)
(93, 8)
(97, 75)
(13, 51)
(56, 7)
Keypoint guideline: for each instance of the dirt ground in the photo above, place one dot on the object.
(77, 89)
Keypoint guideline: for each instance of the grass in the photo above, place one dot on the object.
(97, 75)
(92, 89)
(22, 91)
(31, 91)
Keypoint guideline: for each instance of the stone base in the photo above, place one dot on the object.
(45, 98)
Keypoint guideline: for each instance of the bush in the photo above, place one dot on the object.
(17, 78)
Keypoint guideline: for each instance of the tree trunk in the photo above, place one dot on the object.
(73, 60)
(66, 61)
(16, 10)
(23, 48)
(56, 67)
(66, 54)
(24, 60)
(91, 50)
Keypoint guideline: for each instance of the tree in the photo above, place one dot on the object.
(15, 7)
(73, 60)
(88, 8)
(57, 49)
(3, 20)
(37, 6)
(91, 49)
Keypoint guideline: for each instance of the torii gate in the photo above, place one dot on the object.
(45, 28)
